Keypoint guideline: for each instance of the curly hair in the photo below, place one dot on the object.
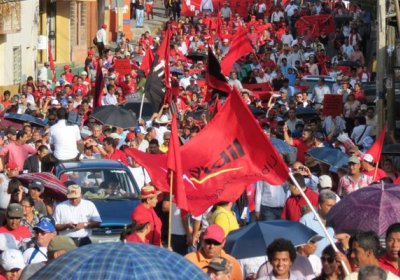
(281, 245)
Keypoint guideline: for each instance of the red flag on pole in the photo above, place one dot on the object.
(231, 152)
(174, 163)
(147, 62)
(99, 86)
(376, 149)
(52, 66)
(240, 46)
(163, 56)
(214, 78)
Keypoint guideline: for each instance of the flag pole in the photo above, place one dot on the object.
(171, 179)
(141, 106)
(347, 272)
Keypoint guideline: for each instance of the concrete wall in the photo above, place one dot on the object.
(63, 45)
(26, 39)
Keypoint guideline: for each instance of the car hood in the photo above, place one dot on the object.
(116, 213)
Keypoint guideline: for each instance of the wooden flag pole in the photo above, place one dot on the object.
(171, 179)
(347, 272)
(141, 106)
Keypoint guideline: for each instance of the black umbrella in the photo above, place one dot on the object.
(391, 149)
(306, 113)
(115, 116)
(25, 118)
(196, 56)
(147, 111)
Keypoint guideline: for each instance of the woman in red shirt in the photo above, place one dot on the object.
(140, 228)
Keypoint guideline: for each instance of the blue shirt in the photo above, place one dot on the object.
(311, 222)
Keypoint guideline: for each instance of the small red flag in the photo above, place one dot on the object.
(240, 46)
(174, 163)
(147, 62)
(52, 66)
(163, 53)
(376, 149)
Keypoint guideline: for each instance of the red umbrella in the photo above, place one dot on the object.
(6, 123)
(53, 187)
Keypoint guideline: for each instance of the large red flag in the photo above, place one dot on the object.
(376, 149)
(147, 61)
(174, 163)
(230, 153)
(240, 46)
(52, 66)
(99, 86)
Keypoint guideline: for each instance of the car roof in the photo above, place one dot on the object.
(92, 164)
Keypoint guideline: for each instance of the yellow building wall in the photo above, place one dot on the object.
(62, 33)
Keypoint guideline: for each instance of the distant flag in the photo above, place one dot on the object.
(147, 61)
(99, 85)
(52, 66)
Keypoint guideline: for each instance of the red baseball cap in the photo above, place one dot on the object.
(104, 25)
(130, 136)
(90, 52)
(142, 217)
(66, 67)
(12, 165)
(214, 232)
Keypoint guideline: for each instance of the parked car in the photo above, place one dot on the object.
(110, 186)
(311, 80)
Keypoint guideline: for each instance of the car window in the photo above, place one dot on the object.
(102, 184)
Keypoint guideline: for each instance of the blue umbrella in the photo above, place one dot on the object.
(120, 261)
(25, 118)
(252, 240)
(333, 157)
(284, 148)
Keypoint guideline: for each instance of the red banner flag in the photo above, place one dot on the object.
(240, 46)
(230, 153)
(214, 77)
(376, 149)
(52, 66)
(191, 8)
(163, 53)
(147, 61)
(174, 163)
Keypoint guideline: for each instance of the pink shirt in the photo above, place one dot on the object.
(17, 153)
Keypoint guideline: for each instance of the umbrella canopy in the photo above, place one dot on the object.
(375, 208)
(196, 56)
(284, 148)
(120, 261)
(253, 239)
(392, 149)
(7, 123)
(115, 116)
(333, 157)
(306, 113)
(53, 187)
(25, 118)
(135, 107)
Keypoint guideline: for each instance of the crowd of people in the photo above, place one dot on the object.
(35, 230)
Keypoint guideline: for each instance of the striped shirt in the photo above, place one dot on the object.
(347, 185)
(84, 212)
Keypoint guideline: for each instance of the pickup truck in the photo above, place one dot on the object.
(110, 186)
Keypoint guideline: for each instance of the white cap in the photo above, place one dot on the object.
(325, 181)
(11, 259)
(368, 158)
(7, 241)
(83, 73)
(55, 102)
(115, 136)
(226, 40)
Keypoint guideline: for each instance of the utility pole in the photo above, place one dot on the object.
(381, 61)
(390, 88)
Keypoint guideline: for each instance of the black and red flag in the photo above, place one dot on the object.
(99, 85)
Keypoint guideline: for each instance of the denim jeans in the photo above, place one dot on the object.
(139, 17)
(270, 213)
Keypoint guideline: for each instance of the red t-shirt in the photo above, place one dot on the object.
(292, 209)
(118, 155)
(134, 238)
(380, 174)
(385, 264)
(19, 234)
(302, 147)
(154, 235)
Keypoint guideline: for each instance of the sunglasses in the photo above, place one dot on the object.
(212, 242)
(327, 259)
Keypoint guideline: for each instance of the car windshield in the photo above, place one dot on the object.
(102, 184)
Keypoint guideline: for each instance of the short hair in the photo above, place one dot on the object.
(41, 148)
(361, 120)
(154, 142)
(281, 245)
(325, 195)
(110, 141)
(392, 229)
(367, 240)
(20, 134)
(299, 178)
(109, 87)
(370, 272)
(62, 114)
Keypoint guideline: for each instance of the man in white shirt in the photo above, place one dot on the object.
(64, 138)
(206, 6)
(140, 174)
(226, 12)
(42, 73)
(101, 39)
(361, 131)
(185, 80)
(347, 48)
(290, 9)
(110, 98)
(260, 9)
(76, 217)
(319, 93)
(269, 201)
